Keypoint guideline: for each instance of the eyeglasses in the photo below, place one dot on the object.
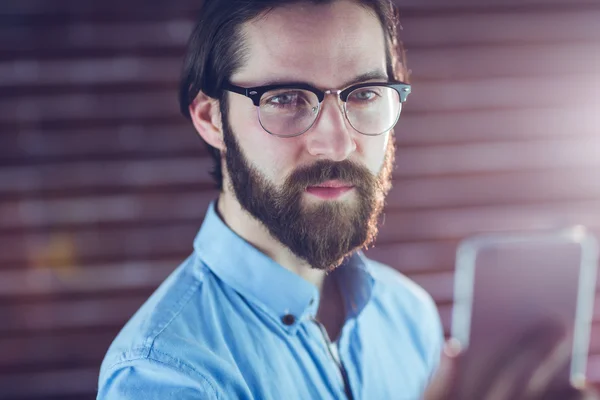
(371, 108)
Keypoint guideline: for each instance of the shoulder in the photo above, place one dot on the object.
(397, 287)
(159, 311)
(149, 375)
(149, 352)
(408, 308)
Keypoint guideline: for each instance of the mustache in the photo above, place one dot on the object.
(325, 170)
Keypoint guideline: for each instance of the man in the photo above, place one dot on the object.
(277, 302)
(297, 101)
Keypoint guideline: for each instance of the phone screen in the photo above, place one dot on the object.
(508, 284)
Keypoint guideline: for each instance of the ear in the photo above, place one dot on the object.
(206, 117)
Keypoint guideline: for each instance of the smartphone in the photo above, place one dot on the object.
(506, 283)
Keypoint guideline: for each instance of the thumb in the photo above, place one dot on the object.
(440, 386)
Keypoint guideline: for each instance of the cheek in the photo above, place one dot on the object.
(272, 156)
(374, 149)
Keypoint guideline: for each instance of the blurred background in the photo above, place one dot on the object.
(103, 184)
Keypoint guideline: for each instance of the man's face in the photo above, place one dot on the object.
(280, 180)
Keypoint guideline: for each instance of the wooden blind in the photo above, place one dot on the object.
(103, 184)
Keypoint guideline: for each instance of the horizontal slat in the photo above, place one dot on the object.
(460, 223)
(90, 313)
(102, 174)
(445, 63)
(109, 70)
(150, 139)
(410, 258)
(81, 382)
(439, 285)
(503, 61)
(84, 106)
(80, 349)
(436, 278)
(138, 241)
(488, 189)
(58, 349)
(110, 209)
(52, 315)
(496, 157)
(407, 195)
(28, 146)
(445, 312)
(510, 93)
(74, 8)
(66, 248)
(415, 257)
(475, 4)
(428, 97)
(68, 314)
(497, 125)
(73, 279)
(174, 241)
(84, 381)
(85, 38)
(431, 265)
(558, 26)
(452, 159)
(542, 26)
(109, 312)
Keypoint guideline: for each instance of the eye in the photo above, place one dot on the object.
(364, 95)
(286, 99)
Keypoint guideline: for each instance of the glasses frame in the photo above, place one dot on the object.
(256, 92)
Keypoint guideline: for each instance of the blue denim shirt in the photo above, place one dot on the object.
(230, 323)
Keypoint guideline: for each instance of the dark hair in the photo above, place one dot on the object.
(215, 50)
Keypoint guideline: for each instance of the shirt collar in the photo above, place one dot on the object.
(356, 283)
(278, 291)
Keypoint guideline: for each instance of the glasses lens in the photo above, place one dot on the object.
(373, 110)
(288, 112)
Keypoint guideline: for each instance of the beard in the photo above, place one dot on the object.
(321, 234)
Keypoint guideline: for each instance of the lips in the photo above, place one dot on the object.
(329, 189)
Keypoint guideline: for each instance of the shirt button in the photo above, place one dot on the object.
(288, 319)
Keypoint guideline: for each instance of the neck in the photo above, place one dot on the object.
(330, 312)
(255, 233)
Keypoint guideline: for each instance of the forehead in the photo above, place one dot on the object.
(325, 45)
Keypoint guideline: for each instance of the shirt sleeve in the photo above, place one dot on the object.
(148, 379)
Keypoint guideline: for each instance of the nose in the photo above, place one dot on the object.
(331, 137)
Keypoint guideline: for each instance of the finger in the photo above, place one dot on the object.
(550, 379)
(569, 393)
(589, 394)
(508, 376)
(440, 386)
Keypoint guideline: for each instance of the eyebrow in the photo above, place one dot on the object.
(376, 74)
(368, 76)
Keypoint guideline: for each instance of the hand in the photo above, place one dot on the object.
(530, 370)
